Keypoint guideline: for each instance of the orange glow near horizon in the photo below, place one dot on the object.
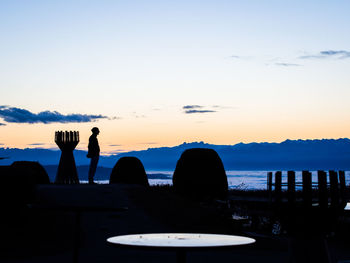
(123, 136)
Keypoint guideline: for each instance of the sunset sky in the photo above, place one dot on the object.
(159, 73)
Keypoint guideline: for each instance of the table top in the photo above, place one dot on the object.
(180, 240)
(347, 207)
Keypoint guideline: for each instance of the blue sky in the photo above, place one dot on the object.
(259, 70)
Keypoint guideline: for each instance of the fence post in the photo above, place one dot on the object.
(333, 179)
(322, 189)
(342, 188)
(269, 185)
(291, 188)
(278, 187)
(307, 188)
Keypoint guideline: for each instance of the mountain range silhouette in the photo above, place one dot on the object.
(290, 154)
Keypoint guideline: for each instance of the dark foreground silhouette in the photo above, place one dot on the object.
(44, 222)
(129, 170)
(200, 173)
(18, 183)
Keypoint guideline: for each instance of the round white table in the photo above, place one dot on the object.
(347, 207)
(179, 241)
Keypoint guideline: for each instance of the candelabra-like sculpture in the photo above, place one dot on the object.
(67, 171)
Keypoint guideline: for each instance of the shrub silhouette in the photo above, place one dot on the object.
(18, 182)
(129, 170)
(200, 173)
(34, 170)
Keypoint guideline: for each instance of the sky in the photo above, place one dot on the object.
(160, 73)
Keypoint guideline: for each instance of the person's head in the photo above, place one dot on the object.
(95, 130)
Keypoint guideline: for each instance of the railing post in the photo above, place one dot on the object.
(333, 179)
(307, 188)
(278, 187)
(322, 189)
(291, 187)
(269, 185)
(342, 188)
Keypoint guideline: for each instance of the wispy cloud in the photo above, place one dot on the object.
(138, 116)
(341, 53)
(2, 124)
(17, 115)
(114, 152)
(36, 144)
(224, 107)
(114, 118)
(115, 145)
(193, 109)
(187, 107)
(334, 54)
(287, 64)
(198, 111)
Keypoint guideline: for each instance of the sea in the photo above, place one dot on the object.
(242, 180)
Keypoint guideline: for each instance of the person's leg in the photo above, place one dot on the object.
(92, 169)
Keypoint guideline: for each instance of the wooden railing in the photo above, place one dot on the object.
(322, 192)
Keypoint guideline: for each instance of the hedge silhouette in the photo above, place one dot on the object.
(129, 170)
(200, 173)
(34, 170)
(18, 182)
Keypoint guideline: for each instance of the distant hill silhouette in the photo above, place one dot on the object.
(290, 154)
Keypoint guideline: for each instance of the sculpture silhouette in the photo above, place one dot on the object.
(67, 171)
(129, 170)
(200, 173)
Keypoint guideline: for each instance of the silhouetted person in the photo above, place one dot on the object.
(93, 153)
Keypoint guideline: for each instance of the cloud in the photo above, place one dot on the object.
(115, 145)
(114, 118)
(115, 152)
(335, 54)
(2, 124)
(186, 107)
(287, 64)
(342, 53)
(198, 111)
(224, 107)
(138, 116)
(148, 143)
(193, 109)
(36, 144)
(17, 115)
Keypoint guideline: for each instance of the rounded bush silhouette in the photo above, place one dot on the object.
(200, 173)
(129, 170)
(33, 170)
(18, 182)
